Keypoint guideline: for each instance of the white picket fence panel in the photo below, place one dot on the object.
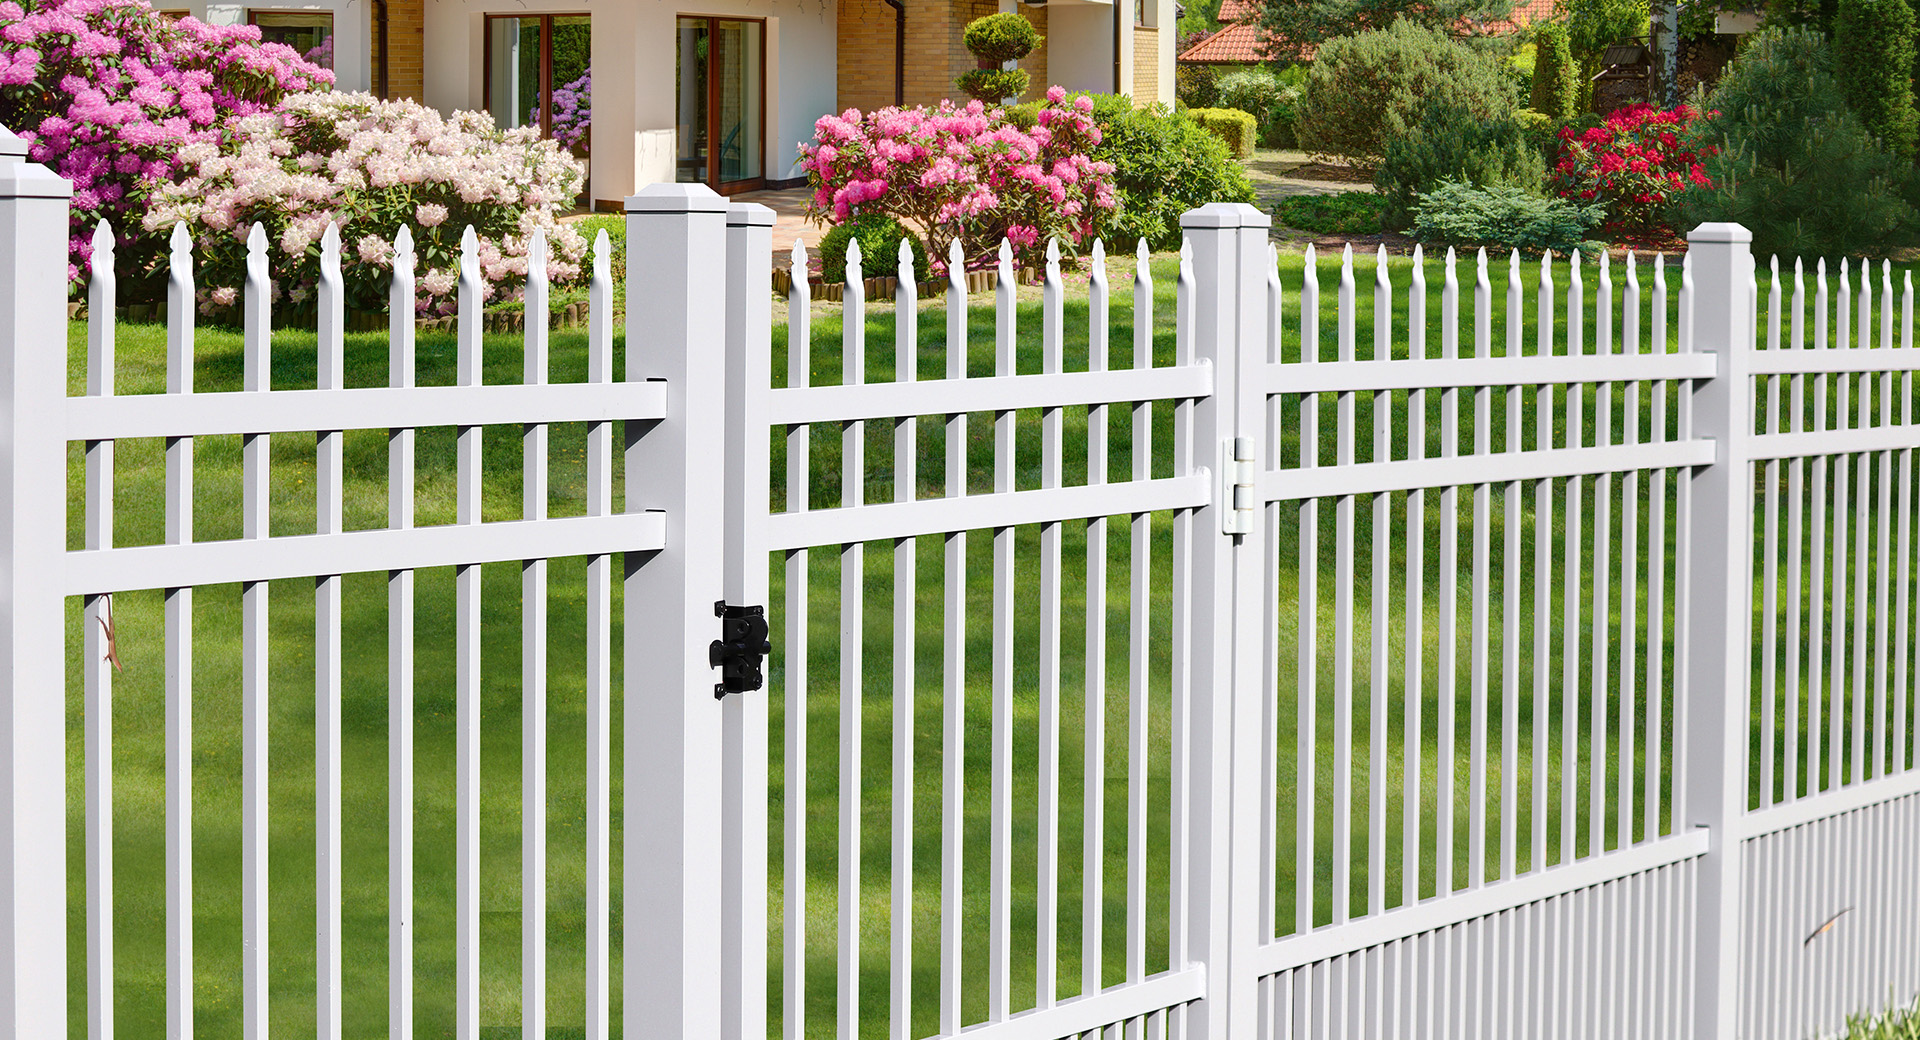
(1659, 847)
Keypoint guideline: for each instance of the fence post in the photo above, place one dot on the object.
(749, 377)
(1718, 606)
(676, 324)
(1228, 314)
(33, 541)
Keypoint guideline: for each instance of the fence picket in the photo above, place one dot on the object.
(954, 657)
(1542, 779)
(1477, 660)
(400, 657)
(467, 662)
(1510, 592)
(179, 651)
(1861, 531)
(599, 663)
(1817, 607)
(1377, 617)
(906, 354)
(257, 461)
(1657, 568)
(1306, 804)
(1903, 609)
(1139, 633)
(1883, 547)
(1796, 480)
(533, 668)
(1446, 674)
(1630, 343)
(1602, 580)
(97, 617)
(1572, 560)
(1343, 583)
(1412, 812)
(1093, 781)
(795, 657)
(1000, 928)
(853, 582)
(1047, 889)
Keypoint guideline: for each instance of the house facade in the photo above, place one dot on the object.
(721, 92)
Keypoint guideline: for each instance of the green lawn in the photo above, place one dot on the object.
(139, 732)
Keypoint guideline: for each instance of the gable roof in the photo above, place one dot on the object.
(1239, 40)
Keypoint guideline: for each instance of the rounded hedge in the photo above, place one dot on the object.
(1368, 88)
(1000, 38)
(994, 85)
(880, 238)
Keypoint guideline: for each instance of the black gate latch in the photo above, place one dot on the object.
(737, 653)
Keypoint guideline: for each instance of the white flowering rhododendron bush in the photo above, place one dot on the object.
(965, 173)
(108, 93)
(371, 167)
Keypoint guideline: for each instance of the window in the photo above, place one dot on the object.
(308, 32)
(539, 73)
(720, 100)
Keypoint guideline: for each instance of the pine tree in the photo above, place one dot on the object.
(1873, 49)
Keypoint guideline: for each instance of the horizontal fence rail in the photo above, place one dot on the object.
(1530, 652)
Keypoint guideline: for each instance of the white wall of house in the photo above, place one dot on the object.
(634, 89)
(1080, 45)
(352, 31)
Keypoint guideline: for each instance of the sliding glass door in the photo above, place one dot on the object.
(720, 101)
(539, 73)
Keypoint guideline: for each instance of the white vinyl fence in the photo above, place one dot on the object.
(1485, 679)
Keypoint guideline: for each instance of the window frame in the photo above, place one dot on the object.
(311, 12)
(545, 93)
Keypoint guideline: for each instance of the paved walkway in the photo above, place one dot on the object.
(789, 206)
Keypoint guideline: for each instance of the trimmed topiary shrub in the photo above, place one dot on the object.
(879, 237)
(1793, 163)
(1873, 53)
(994, 41)
(1556, 75)
(1366, 89)
(1458, 214)
(1000, 38)
(1451, 144)
(1233, 127)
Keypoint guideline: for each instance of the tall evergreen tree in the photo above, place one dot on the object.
(1873, 50)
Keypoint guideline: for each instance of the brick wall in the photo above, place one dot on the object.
(406, 26)
(1146, 65)
(936, 50)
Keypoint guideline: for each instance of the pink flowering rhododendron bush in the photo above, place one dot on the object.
(965, 173)
(1636, 164)
(371, 166)
(110, 94)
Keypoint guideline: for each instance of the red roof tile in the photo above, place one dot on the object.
(1238, 41)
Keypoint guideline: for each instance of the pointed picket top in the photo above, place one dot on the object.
(1310, 272)
(470, 255)
(1186, 249)
(1480, 263)
(1633, 274)
(1346, 263)
(403, 247)
(537, 254)
(1606, 273)
(855, 271)
(1098, 274)
(1909, 286)
(1380, 267)
(1419, 256)
(1005, 265)
(1142, 270)
(257, 253)
(1886, 276)
(956, 267)
(1053, 256)
(1452, 281)
(601, 261)
(103, 239)
(181, 242)
(903, 263)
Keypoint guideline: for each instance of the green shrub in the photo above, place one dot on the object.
(1282, 126)
(1196, 86)
(994, 85)
(1794, 164)
(615, 225)
(1366, 88)
(1232, 126)
(1249, 90)
(1000, 38)
(879, 248)
(1164, 164)
(1348, 213)
(1451, 144)
(1873, 57)
(1556, 76)
(1462, 215)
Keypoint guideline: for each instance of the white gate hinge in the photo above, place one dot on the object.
(1234, 493)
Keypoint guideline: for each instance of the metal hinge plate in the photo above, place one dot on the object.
(1234, 488)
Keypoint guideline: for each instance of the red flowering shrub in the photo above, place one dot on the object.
(1636, 164)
